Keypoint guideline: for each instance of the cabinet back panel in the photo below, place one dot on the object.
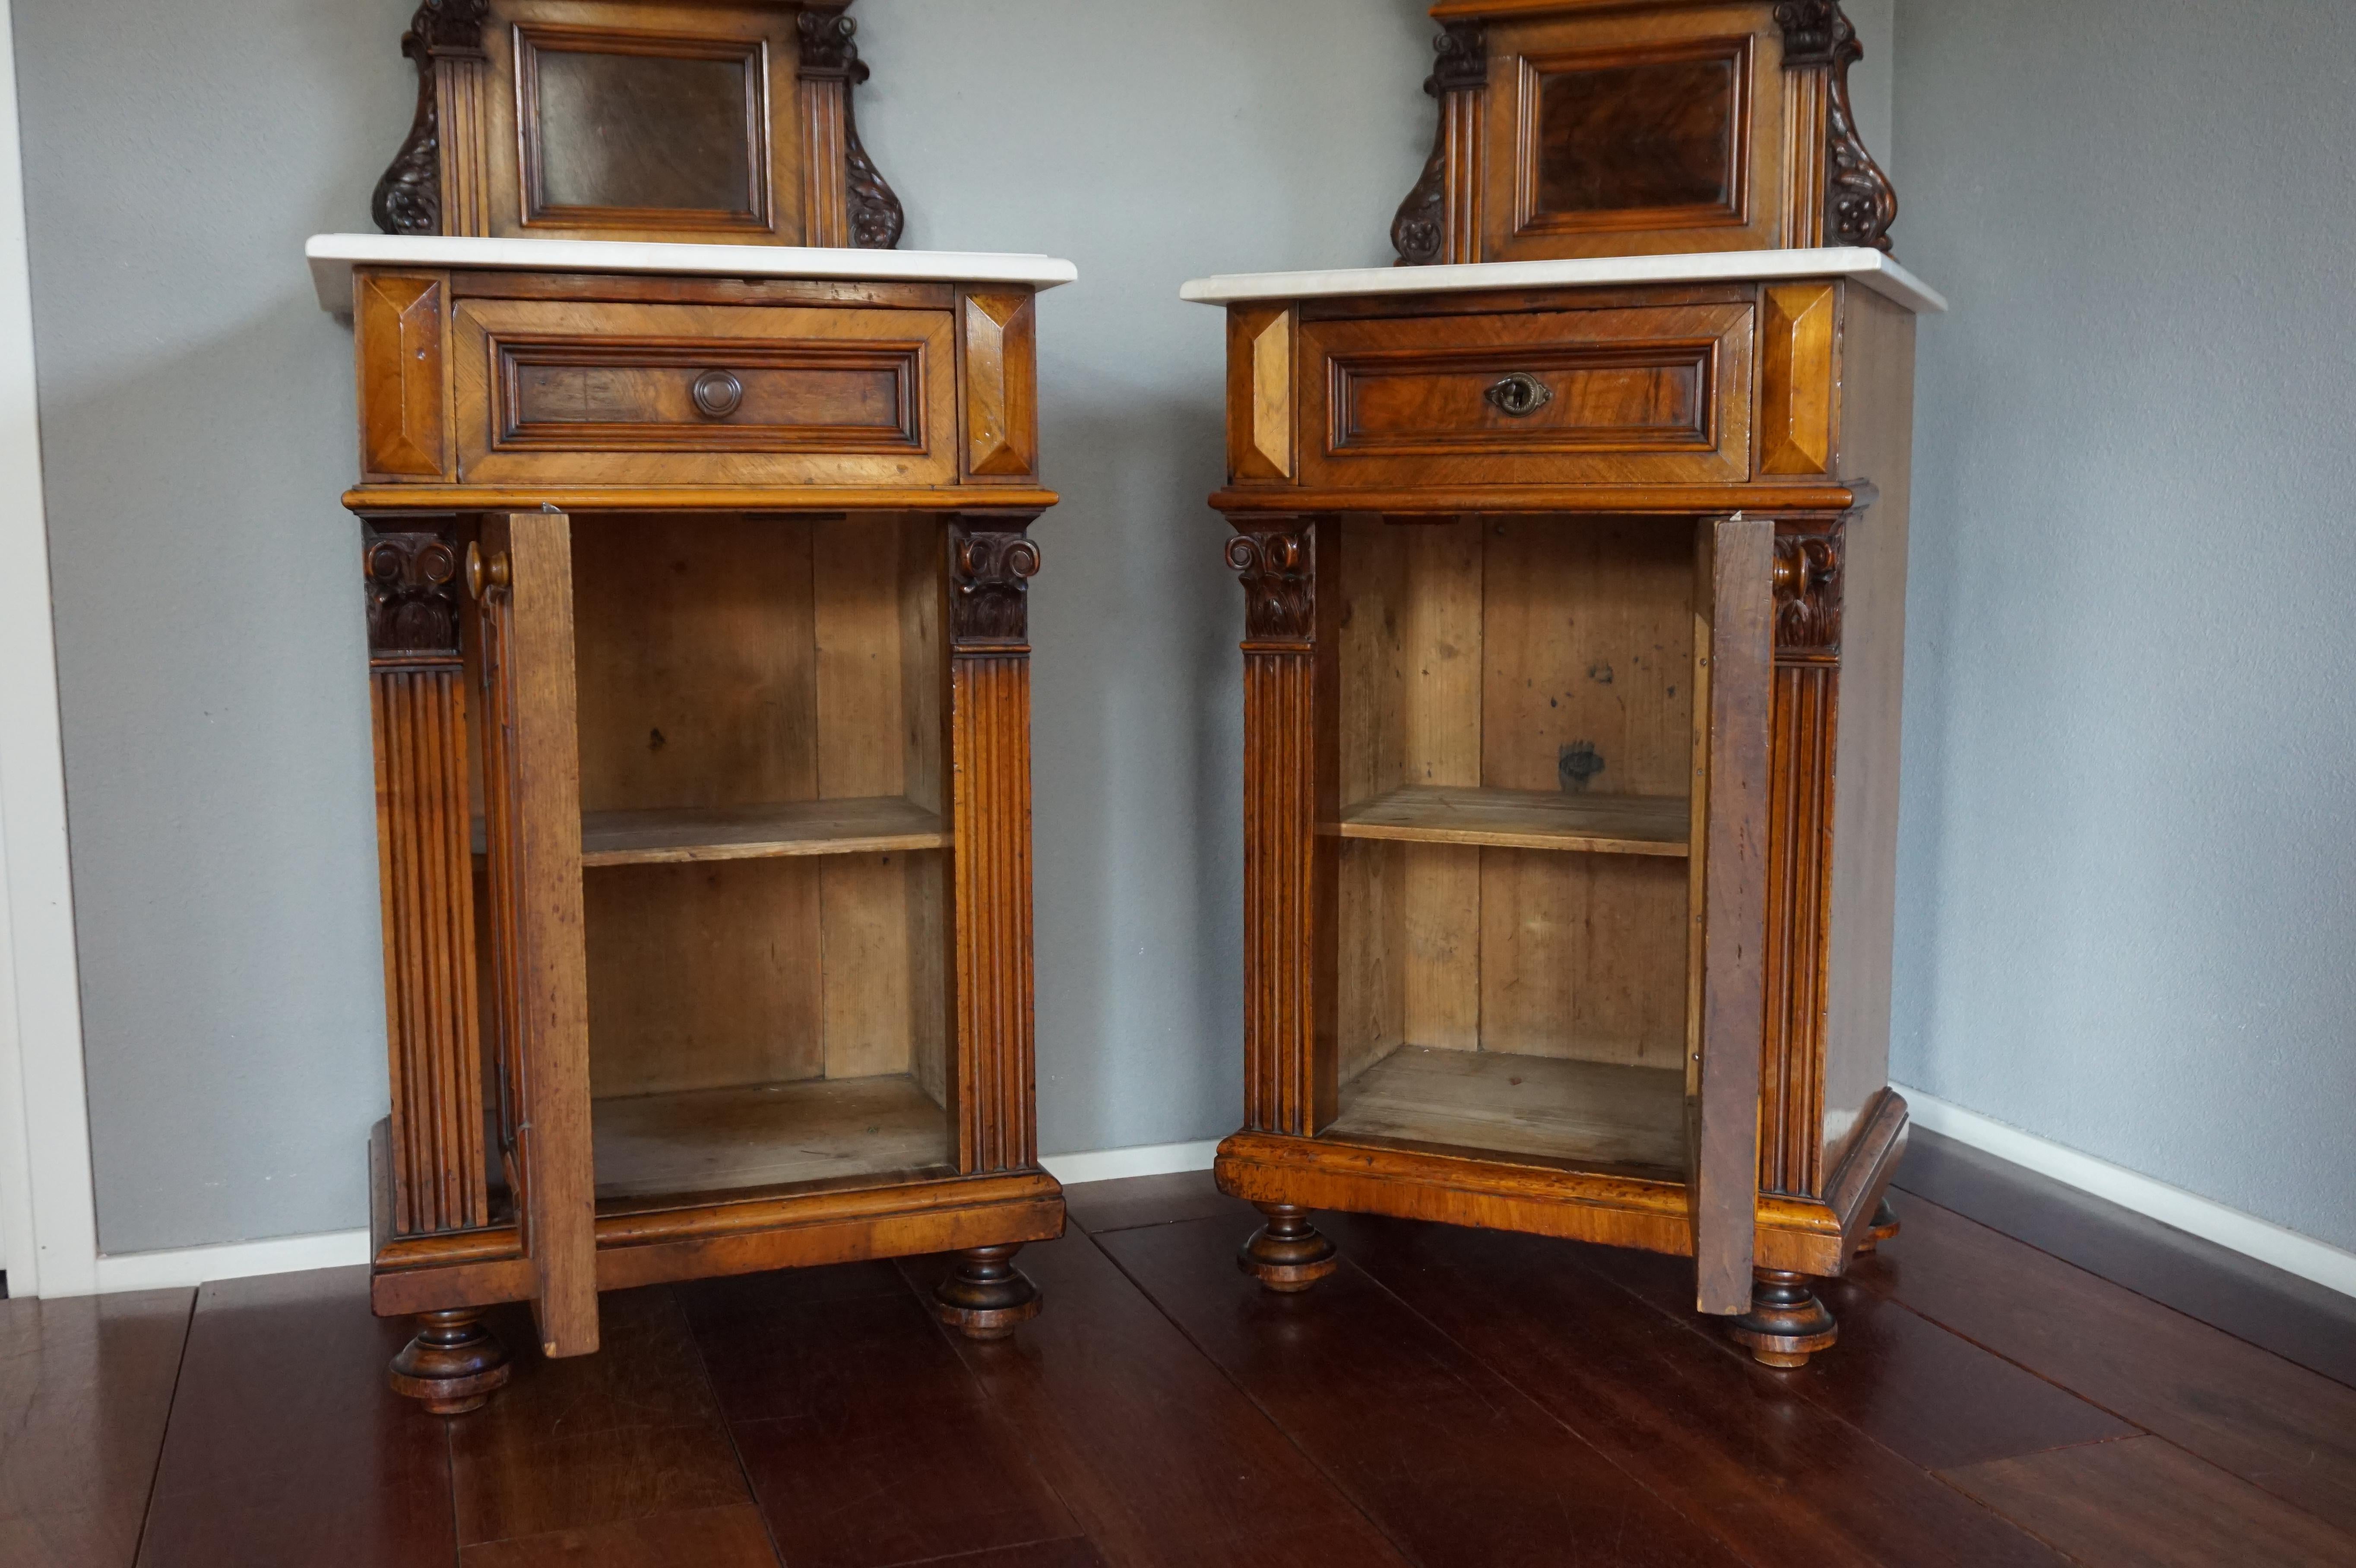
(1588, 657)
(731, 660)
(734, 660)
(746, 972)
(1546, 654)
(697, 663)
(1583, 956)
(704, 976)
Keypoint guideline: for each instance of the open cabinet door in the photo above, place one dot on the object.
(1734, 663)
(521, 577)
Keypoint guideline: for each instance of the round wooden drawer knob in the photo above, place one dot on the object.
(718, 394)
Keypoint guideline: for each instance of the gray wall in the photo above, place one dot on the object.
(2128, 874)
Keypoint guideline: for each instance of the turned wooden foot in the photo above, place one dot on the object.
(1287, 1253)
(452, 1366)
(1786, 1323)
(1884, 1226)
(986, 1295)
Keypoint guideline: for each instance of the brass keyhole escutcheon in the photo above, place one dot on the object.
(718, 394)
(1519, 395)
(482, 574)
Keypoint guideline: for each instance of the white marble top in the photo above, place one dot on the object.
(1871, 268)
(333, 257)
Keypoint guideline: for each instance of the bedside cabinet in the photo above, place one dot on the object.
(1575, 597)
(696, 571)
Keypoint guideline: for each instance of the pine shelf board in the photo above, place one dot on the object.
(1582, 1113)
(876, 825)
(701, 1141)
(1523, 819)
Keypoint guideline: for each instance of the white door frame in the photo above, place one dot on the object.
(48, 1224)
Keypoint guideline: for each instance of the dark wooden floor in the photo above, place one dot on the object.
(2071, 1385)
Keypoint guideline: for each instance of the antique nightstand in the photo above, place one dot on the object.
(1574, 559)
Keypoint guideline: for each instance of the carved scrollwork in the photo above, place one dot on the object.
(409, 197)
(1860, 204)
(828, 53)
(412, 595)
(1808, 592)
(1278, 568)
(1419, 231)
(990, 568)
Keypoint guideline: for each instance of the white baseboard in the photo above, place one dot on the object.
(186, 1266)
(1146, 1159)
(289, 1254)
(2268, 1243)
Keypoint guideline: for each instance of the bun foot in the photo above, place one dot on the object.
(1288, 1254)
(1786, 1323)
(986, 1295)
(1884, 1226)
(454, 1365)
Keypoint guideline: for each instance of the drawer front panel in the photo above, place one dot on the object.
(1644, 395)
(632, 394)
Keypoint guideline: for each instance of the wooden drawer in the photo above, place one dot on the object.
(606, 393)
(1636, 395)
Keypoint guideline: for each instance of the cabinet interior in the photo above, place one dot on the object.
(1516, 750)
(765, 834)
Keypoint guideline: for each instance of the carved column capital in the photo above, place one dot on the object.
(1462, 62)
(412, 578)
(1808, 591)
(828, 51)
(1278, 562)
(991, 563)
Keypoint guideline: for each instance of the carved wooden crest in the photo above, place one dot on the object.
(704, 121)
(1583, 129)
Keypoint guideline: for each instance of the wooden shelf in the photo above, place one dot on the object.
(770, 1135)
(1581, 1111)
(1519, 819)
(864, 827)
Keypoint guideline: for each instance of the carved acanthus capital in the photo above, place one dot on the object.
(1462, 65)
(1811, 30)
(990, 568)
(829, 51)
(413, 594)
(1808, 592)
(1279, 567)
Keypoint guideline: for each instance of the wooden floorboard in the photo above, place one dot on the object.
(1101, 1206)
(867, 1443)
(630, 1435)
(1450, 1399)
(2296, 1318)
(1927, 1395)
(1453, 1464)
(1105, 1394)
(1733, 1445)
(285, 1449)
(707, 1538)
(2146, 1503)
(2282, 1428)
(85, 1389)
